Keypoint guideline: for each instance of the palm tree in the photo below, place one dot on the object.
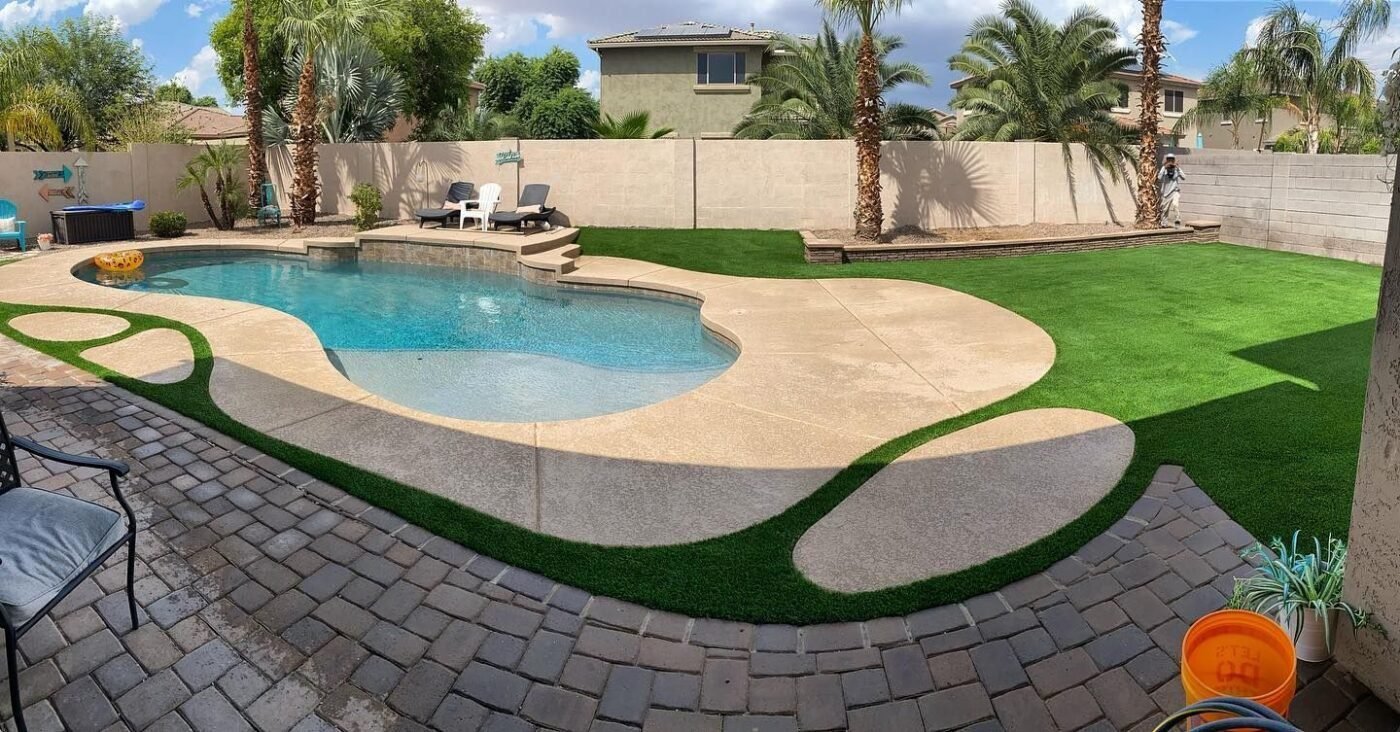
(37, 115)
(866, 15)
(222, 161)
(1152, 43)
(1234, 92)
(631, 127)
(253, 108)
(310, 25)
(1028, 79)
(460, 122)
(809, 92)
(1314, 65)
(358, 95)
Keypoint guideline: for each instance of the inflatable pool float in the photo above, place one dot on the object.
(119, 279)
(123, 261)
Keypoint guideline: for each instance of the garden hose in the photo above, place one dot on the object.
(1247, 715)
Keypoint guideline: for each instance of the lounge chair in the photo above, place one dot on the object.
(269, 210)
(456, 194)
(485, 206)
(9, 219)
(531, 209)
(50, 543)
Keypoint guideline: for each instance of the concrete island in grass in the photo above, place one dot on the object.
(828, 369)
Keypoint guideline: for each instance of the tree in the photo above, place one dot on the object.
(146, 124)
(1151, 43)
(461, 123)
(1028, 79)
(631, 127)
(866, 16)
(809, 92)
(567, 115)
(1312, 65)
(541, 94)
(1234, 92)
(174, 91)
(253, 107)
(88, 58)
(43, 117)
(506, 78)
(310, 25)
(357, 96)
(433, 45)
(222, 161)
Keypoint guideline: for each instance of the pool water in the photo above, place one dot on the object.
(459, 342)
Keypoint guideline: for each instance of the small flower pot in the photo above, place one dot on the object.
(1314, 641)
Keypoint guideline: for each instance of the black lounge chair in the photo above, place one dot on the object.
(456, 193)
(530, 209)
(50, 543)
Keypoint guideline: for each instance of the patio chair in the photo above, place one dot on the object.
(269, 209)
(14, 229)
(456, 194)
(531, 209)
(50, 543)
(485, 206)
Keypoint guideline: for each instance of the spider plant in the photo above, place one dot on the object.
(1290, 581)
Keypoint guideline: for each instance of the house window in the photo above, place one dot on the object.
(1176, 101)
(1122, 96)
(719, 68)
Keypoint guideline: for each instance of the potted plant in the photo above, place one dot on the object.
(1302, 590)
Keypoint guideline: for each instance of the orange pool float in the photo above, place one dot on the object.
(1242, 654)
(123, 261)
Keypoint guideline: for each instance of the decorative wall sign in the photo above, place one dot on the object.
(45, 192)
(508, 156)
(66, 173)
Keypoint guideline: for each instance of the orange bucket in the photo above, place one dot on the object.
(1242, 654)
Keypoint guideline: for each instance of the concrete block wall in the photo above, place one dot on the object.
(1328, 205)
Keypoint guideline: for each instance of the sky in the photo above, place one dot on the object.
(174, 34)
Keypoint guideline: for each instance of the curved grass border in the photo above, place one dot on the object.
(747, 575)
(1279, 416)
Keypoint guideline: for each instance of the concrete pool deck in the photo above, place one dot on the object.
(828, 370)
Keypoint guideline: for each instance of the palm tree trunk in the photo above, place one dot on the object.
(209, 207)
(1149, 214)
(869, 213)
(304, 147)
(253, 109)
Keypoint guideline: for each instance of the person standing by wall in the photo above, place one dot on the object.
(1169, 185)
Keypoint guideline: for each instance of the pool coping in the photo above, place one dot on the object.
(826, 371)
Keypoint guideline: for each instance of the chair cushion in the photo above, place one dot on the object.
(7, 225)
(436, 213)
(47, 539)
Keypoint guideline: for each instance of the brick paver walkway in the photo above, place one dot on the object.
(276, 602)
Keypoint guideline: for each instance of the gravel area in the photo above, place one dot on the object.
(915, 235)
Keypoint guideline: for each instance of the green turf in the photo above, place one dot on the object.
(1246, 366)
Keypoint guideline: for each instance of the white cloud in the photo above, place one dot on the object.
(1251, 31)
(18, 12)
(588, 81)
(127, 13)
(138, 44)
(194, 10)
(199, 71)
(1178, 32)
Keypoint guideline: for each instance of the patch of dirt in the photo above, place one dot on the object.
(915, 235)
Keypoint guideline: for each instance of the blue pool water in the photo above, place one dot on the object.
(464, 343)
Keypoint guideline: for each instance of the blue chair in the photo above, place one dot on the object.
(9, 210)
(269, 210)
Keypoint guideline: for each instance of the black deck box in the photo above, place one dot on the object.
(89, 227)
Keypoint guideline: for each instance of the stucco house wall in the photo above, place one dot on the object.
(661, 80)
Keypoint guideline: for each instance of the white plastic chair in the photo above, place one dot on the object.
(485, 206)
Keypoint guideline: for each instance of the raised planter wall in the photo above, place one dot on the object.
(823, 251)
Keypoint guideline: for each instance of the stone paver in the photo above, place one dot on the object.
(356, 627)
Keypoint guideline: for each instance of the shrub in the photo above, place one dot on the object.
(368, 202)
(168, 224)
(1294, 140)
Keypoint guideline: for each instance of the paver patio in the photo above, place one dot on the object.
(276, 602)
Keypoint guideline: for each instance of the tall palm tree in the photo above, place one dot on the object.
(630, 127)
(253, 108)
(309, 25)
(1029, 79)
(809, 92)
(866, 16)
(358, 95)
(1234, 92)
(1314, 65)
(1151, 43)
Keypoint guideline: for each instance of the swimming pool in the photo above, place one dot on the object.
(460, 342)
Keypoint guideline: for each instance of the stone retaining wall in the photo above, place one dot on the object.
(825, 251)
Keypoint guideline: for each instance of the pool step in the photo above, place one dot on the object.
(560, 260)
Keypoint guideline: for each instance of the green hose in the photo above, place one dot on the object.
(1247, 715)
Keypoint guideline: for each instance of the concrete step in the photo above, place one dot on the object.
(560, 260)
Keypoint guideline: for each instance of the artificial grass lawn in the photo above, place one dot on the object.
(1247, 367)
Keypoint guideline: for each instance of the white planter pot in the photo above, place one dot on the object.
(1312, 642)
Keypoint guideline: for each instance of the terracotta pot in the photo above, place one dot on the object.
(1314, 640)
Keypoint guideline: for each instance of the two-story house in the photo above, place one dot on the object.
(690, 76)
